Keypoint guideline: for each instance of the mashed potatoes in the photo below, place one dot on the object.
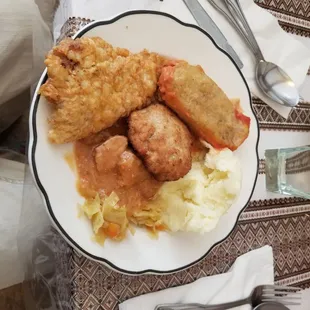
(197, 201)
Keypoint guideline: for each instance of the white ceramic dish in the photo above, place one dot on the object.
(139, 254)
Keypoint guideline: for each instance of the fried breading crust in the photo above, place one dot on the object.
(205, 108)
(162, 141)
(92, 84)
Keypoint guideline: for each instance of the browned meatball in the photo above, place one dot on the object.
(162, 141)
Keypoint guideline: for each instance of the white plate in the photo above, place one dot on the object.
(162, 33)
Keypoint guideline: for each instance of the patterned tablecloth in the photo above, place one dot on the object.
(282, 222)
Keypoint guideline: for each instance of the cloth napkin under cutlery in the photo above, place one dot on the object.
(276, 45)
(249, 270)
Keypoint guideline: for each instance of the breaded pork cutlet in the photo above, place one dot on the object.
(91, 85)
(205, 108)
(162, 141)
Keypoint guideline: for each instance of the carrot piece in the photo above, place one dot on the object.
(160, 227)
(113, 230)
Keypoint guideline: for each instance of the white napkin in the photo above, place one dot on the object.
(276, 45)
(249, 270)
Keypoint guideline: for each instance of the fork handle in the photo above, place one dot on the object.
(237, 13)
(224, 306)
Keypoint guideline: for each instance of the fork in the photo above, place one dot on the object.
(263, 293)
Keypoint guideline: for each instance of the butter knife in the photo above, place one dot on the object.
(205, 22)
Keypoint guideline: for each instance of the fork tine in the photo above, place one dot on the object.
(287, 303)
(276, 287)
(281, 298)
(275, 293)
(270, 291)
(297, 293)
(291, 297)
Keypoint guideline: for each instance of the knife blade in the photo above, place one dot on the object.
(205, 22)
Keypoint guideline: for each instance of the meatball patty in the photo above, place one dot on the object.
(162, 141)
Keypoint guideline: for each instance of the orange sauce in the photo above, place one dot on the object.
(129, 179)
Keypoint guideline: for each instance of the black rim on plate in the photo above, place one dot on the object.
(32, 149)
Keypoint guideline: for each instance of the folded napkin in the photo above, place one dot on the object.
(249, 270)
(276, 45)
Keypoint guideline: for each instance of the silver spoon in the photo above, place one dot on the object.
(271, 79)
(270, 306)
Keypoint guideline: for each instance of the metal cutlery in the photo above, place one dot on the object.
(261, 294)
(205, 22)
(271, 79)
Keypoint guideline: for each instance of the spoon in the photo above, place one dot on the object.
(270, 306)
(271, 79)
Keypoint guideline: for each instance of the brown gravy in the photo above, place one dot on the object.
(128, 178)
